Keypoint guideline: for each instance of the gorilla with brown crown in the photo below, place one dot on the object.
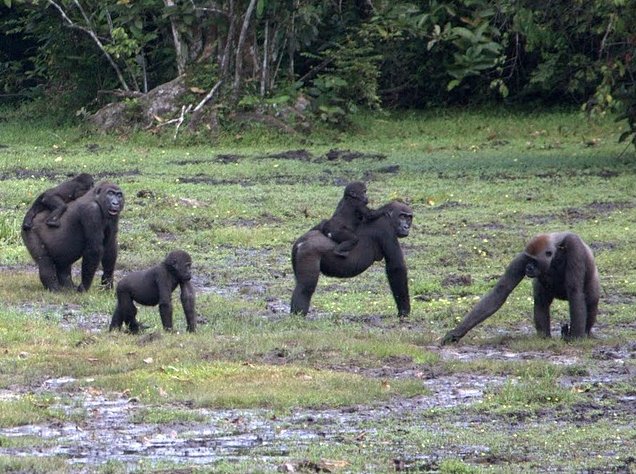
(562, 267)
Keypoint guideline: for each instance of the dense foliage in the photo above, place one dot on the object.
(336, 55)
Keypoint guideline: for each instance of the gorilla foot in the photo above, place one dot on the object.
(449, 338)
(565, 332)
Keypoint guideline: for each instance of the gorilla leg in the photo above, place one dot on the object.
(592, 311)
(578, 314)
(48, 273)
(542, 301)
(57, 206)
(346, 239)
(64, 277)
(344, 247)
(125, 312)
(306, 273)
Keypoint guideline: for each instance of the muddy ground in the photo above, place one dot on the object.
(107, 429)
(109, 432)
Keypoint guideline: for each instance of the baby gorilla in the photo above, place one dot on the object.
(350, 212)
(155, 286)
(55, 200)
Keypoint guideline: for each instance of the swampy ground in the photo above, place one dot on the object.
(350, 387)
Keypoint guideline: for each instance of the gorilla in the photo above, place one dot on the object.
(154, 287)
(350, 212)
(313, 254)
(88, 230)
(563, 267)
(55, 200)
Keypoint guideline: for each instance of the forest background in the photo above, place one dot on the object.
(293, 64)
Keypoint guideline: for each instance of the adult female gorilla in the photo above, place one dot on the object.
(312, 254)
(88, 230)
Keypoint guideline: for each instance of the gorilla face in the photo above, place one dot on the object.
(357, 191)
(110, 199)
(179, 264)
(532, 269)
(540, 252)
(403, 223)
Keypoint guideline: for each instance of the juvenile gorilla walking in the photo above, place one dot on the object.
(56, 198)
(563, 267)
(312, 254)
(154, 287)
(88, 230)
(350, 212)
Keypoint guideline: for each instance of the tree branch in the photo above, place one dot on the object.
(94, 36)
(208, 96)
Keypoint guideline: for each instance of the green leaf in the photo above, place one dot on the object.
(464, 33)
(260, 8)
(452, 84)
(7, 3)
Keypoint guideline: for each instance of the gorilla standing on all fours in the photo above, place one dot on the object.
(56, 198)
(88, 230)
(312, 254)
(154, 287)
(563, 267)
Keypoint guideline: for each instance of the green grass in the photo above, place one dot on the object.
(481, 183)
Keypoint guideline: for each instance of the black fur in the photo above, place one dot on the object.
(55, 200)
(312, 254)
(88, 230)
(351, 211)
(154, 287)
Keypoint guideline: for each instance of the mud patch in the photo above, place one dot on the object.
(348, 155)
(457, 280)
(300, 155)
(594, 210)
(22, 173)
(332, 155)
(225, 159)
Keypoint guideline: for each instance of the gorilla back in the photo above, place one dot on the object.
(88, 230)
(312, 254)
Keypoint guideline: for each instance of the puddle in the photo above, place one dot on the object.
(107, 431)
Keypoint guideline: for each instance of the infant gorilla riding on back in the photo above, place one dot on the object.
(351, 211)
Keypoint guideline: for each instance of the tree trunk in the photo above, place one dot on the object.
(180, 47)
(238, 65)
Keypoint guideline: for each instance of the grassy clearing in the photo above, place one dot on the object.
(481, 183)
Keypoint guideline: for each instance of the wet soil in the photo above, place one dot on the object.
(110, 432)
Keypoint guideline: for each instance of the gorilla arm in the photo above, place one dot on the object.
(492, 301)
(94, 234)
(109, 257)
(397, 275)
(187, 301)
